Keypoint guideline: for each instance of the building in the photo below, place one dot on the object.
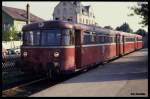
(16, 17)
(74, 12)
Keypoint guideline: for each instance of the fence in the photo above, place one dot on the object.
(8, 63)
(10, 73)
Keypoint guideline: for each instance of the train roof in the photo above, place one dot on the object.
(47, 25)
(66, 24)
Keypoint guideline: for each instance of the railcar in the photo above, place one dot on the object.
(59, 47)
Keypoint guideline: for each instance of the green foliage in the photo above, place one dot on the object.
(10, 32)
(141, 32)
(108, 27)
(125, 28)
(142, 10)
(6, 35)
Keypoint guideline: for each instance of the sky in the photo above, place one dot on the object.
(106, 13)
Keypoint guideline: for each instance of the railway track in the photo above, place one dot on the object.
(26, 89)
(18, 90)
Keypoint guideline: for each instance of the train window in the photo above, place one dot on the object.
(113, 39)
(28, 38)
(50, 37)
(67, 37)
(53, 38)
(43, 38)
(139, 39)
(97, 39)
(127, 39)
(110, 39)
(92, 37)
(36, 37)
(86, 38)
(101, 39)
(106, 39)
(31, 38)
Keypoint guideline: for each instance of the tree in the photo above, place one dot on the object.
(141, 32)
(6, 35)
(14, 33)
(141, 10)
(9, 33)
(125, 28)
(108, 27)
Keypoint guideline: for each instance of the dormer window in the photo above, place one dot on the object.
(56, 18)
(82, 11)
(70, 19)
(64, 3)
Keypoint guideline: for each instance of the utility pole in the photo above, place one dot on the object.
(28, 13)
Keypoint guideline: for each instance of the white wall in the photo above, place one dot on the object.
(12, 44)
(69, 10)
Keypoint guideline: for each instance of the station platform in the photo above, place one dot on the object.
(123, 77)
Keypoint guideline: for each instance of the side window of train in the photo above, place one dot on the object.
(28, 38)
(128, 39)
(72, 37)
(86, 38)
(92, 37)
(66, 37)
(111, 39)
(140, 39)
(114, 39)
(106, 39)
(36, 37)
(101, 39)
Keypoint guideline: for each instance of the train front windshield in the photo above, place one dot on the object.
(52, 37)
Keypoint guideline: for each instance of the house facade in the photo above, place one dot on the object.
(74, 12)
(16, 17)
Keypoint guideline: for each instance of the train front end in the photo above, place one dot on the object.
(48, 48)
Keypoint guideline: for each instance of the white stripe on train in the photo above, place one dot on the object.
(89, 45)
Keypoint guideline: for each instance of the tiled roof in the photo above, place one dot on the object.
(19, 14)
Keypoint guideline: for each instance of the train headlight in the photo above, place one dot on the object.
(56, 54)
(25, 54)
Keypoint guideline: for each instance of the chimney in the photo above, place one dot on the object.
(28, 14)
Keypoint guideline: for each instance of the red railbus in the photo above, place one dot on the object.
(59, 47)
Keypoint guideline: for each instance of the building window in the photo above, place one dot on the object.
(83, 21)
(56, 18)
(82, 11)
(64, 3)
(86, 21)
(80, 20)
(58, 11)
(65, 11)
(70, 19)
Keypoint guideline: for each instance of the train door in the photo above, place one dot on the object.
(123, 38)
(117, 45)
(134, 43)
(78, 48)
